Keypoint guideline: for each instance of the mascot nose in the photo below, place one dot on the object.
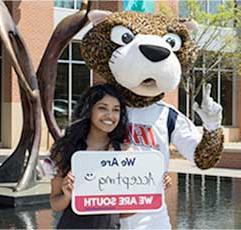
(154, 53)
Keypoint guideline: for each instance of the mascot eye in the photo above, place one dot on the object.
(121, 35)
(127, 37)
(173, 40)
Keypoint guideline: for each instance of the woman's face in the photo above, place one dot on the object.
(105, 114)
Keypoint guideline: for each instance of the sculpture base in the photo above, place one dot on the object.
(39, 194)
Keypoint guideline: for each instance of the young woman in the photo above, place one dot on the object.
(100, 123)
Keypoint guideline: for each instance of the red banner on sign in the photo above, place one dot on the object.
(125, 202)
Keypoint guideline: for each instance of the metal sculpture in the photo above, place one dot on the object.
(21, 165)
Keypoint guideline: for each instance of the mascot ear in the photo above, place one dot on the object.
(189, 23)
(98, 16)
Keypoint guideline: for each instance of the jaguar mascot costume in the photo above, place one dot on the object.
(144, 55)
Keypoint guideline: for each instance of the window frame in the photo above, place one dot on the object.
(70, 62)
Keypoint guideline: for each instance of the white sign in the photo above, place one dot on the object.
(117, 182)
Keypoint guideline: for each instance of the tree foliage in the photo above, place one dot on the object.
(218, 39)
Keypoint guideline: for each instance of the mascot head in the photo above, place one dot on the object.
(142, 54)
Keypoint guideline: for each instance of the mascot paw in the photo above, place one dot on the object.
(210, 111)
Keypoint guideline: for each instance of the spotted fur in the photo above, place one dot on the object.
(209, 150)
(97, 48)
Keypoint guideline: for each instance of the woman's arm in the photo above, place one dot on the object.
(61, 190)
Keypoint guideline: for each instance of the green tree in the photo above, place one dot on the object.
(218, 39)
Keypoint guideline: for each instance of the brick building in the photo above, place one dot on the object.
(36, 21)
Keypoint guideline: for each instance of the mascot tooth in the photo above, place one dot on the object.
(143, 55)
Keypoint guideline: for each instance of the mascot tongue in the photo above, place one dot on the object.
(147, 88)
(149, 82)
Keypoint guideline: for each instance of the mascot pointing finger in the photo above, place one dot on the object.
(144, 56)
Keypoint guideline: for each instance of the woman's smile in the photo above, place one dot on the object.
(108, 122)
(105, 114)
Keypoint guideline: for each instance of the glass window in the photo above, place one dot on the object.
(213, 6)
(61, 95)
(198, 98)
(204, 4)
(182, 100)
(61, 89)
(199, 61)
(78, 3)
(183, 11)
(65, 55)
(226, 64)
(76, 51)
(80, 79)
(183, 7)
(70, 4)
(209, 6)
(64, 3)
(209, 59)
(73, 78)
(226, 97)
(214, 82)
(221, 78)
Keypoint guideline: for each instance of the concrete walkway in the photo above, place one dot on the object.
(232, 147)
(184, 166)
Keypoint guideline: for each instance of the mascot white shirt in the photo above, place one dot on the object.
(154, 128)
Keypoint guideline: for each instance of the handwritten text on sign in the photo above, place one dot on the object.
(115, 182)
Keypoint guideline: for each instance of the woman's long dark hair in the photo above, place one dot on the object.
(76, 133)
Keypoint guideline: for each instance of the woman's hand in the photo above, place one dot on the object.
(61, 191)
(167, 181)
(68, 184)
